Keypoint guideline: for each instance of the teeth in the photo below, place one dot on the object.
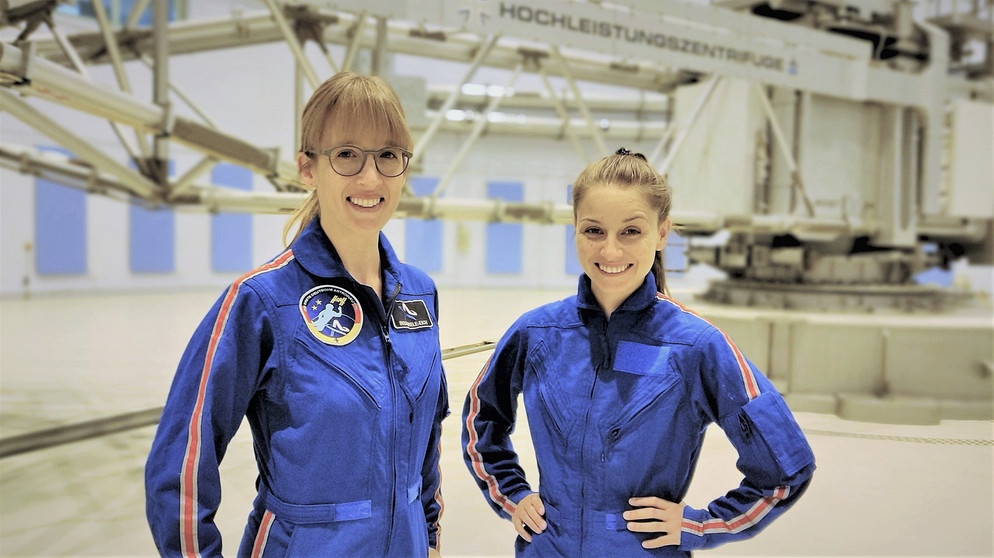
(365, 203)
(613, 269)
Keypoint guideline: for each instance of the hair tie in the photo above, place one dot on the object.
(624, 151)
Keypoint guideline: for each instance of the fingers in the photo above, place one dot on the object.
(522, 532)
(529, 518)
(533, 517)
(655, 516)
(651, 501)
(648, 526)
(666, 540)
(651, 507)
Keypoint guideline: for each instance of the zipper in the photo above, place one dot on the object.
(385, 332)
(583, 452)
(583, 444)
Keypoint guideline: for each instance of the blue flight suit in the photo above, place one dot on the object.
(618, 409)
(344, 393)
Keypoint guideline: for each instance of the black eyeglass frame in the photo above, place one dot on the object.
(365, 153)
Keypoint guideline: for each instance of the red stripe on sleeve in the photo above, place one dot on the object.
(738, 523)
(475, 457)
(748, 378)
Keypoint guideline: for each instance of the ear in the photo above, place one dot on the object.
(305, 168)
(664, 231)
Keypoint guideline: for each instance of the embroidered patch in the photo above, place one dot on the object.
(332, 314)
(410, 314)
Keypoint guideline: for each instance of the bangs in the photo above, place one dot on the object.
(375, 132)
(382, 125)
(353, 109)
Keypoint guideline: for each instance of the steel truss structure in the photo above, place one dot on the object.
(910, 78)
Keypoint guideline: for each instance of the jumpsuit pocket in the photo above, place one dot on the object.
(317, 529)
(316, 365)
(560, 391)
(548, 542)
(775, 435)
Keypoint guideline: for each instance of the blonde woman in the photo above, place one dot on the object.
(331, 351)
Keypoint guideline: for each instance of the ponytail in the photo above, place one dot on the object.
(659, 271)
(301, 217)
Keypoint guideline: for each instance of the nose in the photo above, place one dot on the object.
(611, 248)
(368, 166)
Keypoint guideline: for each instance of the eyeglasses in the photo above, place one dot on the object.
(348, 160)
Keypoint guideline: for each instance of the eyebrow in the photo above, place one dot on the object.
(628, 220)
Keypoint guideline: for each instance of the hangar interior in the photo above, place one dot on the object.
(833, 171)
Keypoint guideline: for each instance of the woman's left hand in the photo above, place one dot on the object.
(655, 515)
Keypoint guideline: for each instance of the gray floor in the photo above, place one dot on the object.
(880, 490)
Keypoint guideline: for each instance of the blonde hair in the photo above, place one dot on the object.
(346, 103)
(627, 169)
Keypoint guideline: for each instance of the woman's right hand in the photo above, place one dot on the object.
(529, 515)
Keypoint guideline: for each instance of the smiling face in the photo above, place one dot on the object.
(357, 204)
(618, 233)
(363, 112)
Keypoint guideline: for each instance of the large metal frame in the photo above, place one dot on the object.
(912, 72)
(899, 71)
(679, 43)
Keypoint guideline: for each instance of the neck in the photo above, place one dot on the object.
(360, 254)
(608, 306)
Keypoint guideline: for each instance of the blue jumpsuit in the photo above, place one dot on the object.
(618, 409)
(344, 394)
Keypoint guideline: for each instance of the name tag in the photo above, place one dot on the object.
(410, 314)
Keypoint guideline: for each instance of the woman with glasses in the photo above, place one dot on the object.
(331, 352)
(620, 383)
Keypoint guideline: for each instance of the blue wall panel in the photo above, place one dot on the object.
(231, 233)
(152, 238)
(85, 8)
(60, 227)
(424, 238)
(152, 246)
(504, 240)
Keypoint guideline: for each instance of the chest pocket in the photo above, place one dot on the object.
(641, 376)
(317, 365)
(560, 382)
(417, 353)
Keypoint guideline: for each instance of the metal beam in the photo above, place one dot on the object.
(295, 47)
(50, 81)
(578, 99)
(58, 168)
(23, 111)
(439, 118)
(786, 149)
(478, 126)
(347, 29)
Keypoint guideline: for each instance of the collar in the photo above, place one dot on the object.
(316, 254)
(642, 298)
